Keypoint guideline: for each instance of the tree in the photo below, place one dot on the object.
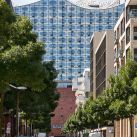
(87, 114)
(20, 54)
(123, 93)
(81, 119)
(117, 101)
(70, 125)
(37, 106)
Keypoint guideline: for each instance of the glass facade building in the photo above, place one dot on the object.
(66, 30)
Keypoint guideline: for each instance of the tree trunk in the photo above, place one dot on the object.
(17, 113)
(1, 113)
(30, 125)
(131, 127)
(114, 127)
(26, 126)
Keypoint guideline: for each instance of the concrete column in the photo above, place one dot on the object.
(135, 129)
(120, 127)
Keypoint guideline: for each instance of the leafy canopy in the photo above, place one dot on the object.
(20, 53)
(117, 101)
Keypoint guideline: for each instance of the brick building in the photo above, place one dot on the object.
(66, 106)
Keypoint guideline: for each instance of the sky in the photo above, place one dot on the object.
(22, 2)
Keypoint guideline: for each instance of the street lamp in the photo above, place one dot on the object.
(17, 89)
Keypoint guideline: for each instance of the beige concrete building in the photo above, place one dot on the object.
(102, 60)
(126, 45)
(81, 86)
(126, 35)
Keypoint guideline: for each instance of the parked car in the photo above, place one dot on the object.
(95, 134)
(41, 134)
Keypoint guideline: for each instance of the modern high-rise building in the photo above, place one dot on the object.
(66, 26)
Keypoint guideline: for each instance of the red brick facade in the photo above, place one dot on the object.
(66, 106)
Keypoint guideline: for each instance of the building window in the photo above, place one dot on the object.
(122, 26)
(135, 29)
(128, 35)
(74, 26)
(58, 126)
(135, 54)
(135, 33)
(128, 53)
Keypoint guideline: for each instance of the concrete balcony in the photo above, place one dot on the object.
(75, 84)
(116, 41)
(80, 100)
(80, 80)
(80, 97)
(85, 86)
(132, 44)
(79, 93)
(81, 84)
(132, 20)
(81, 87)
(130, 2)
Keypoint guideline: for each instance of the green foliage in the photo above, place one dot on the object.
(7, 17)
(21, 65)
(70, 125)
(37, 105)
(118, 108)
(81, 119)
(20, 53)
(117, 101)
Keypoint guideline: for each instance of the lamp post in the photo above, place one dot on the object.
(17, 89)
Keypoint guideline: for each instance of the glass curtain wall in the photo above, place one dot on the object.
(66, 30)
